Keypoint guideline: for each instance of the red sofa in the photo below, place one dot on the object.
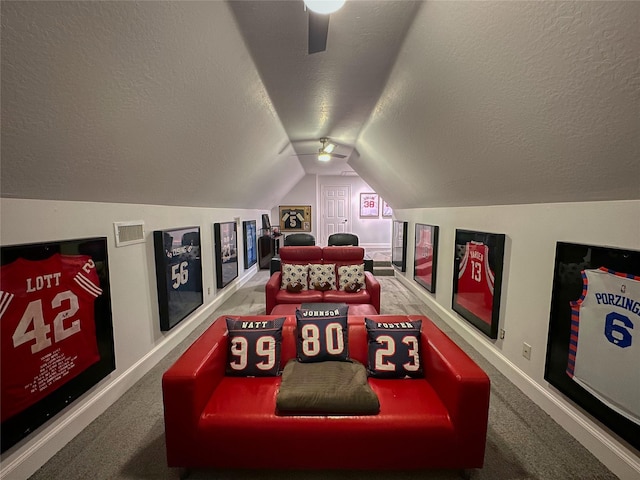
(217, 421)
(340, 256)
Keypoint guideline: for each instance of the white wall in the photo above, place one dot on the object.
(532, 232)
(303, 193)
(373, 233)
(139, 343)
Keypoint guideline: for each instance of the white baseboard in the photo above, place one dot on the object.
(24, 459)
(375, 246)
(621, 462)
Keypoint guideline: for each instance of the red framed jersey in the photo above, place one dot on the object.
(47, 326)
(476, 281)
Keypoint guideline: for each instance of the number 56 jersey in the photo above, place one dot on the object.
(47, 327)
(604, 348)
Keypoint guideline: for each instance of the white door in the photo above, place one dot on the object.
(336, 202)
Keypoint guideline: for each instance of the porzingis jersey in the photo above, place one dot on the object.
(47, 326)
(475, 281)
(603, 352)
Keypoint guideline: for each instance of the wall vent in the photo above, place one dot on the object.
(129, 233)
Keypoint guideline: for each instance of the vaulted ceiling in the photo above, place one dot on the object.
(219, 104)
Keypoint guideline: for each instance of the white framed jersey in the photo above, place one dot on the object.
(603, 350)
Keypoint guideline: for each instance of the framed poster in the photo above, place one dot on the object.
(593, 343)
(387, 211)
(399, 245)
(56, 330)
(250, 246)
(295, 218)
(477, 279)
(369, 205)
(226, 250)
(178, 274)
(426, 256)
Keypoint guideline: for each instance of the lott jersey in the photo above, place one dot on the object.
(475, 281)
(47, 326)
(603, 351)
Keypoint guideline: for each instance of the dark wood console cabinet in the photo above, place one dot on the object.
(266, 250)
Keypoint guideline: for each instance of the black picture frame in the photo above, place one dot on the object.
(477, 278)
(249, 230)
(178, 274)
(65, 287)
(226, 252)
(579, 323)
(425, 260)
(399, 245)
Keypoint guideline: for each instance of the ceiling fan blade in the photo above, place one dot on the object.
(333, 155)
(318, 31)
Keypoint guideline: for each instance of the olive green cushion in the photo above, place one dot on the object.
(326, 388)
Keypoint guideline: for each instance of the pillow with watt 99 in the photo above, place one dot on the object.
(254, 347)
(394, 349)
(322, 335)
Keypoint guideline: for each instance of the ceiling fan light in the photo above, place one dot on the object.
(324, 156)
(329, 147)
(324, 6)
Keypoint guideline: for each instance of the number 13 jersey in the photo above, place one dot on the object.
(475, 281)
(47, 327)
(603, 352)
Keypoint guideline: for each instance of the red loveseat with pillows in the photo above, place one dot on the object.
(322, 274)
(421, 402)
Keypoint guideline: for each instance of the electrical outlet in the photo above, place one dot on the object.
(526, 351)
(502, 334)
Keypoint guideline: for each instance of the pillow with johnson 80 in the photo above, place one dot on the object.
(254, 347)
(394, 349)
(320, 337)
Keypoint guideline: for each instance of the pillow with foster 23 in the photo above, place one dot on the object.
(394, 349)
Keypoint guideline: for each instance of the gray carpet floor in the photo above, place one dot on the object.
(127, 441)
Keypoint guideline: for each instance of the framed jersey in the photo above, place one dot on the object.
(426, 256)
(399, 245)
(250, 245)
(226, 250)
(295, 218)
(56, 330)
(178, 274)
(593, 342)
(477, 278)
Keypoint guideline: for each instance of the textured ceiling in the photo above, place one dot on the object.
(137, 102)
(328, 94)
(509, 103)
(218, 104)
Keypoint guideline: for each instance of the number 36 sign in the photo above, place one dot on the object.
(295, 218)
